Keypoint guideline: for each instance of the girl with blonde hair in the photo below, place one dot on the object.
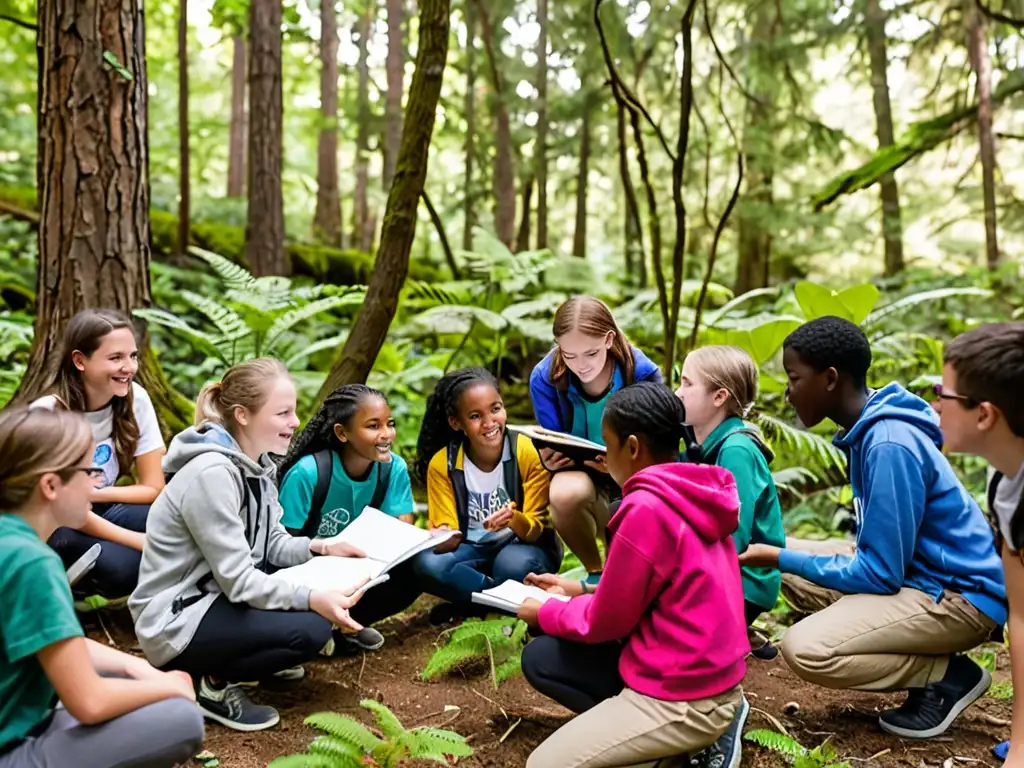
(116, 709)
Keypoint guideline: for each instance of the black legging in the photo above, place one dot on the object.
(116, 572)
(238, 643)
(384, 600)
(576, 675)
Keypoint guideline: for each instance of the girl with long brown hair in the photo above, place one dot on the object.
(591, 361)
(98, 365)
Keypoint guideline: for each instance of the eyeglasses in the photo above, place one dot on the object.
(967, 401)
(94, 473)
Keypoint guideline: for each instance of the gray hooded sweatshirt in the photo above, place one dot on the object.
(202, 541)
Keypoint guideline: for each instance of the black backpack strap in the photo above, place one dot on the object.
(510, 472)
(457, 477)
(324, 467)
(380, 492)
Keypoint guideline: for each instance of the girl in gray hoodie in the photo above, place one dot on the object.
(206, 602)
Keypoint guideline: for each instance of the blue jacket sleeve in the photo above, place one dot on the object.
(544, 397)
(892, 503)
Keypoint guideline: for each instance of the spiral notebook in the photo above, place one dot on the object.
(510, 595)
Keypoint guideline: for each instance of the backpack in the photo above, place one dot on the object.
(1016, 522)
(324, 468)
(510, 471)
(711, 457)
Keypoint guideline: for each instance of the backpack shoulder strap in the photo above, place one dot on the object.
(711, 457)
(510, 473)
(457, 477)
(324, 467)
(380, 491)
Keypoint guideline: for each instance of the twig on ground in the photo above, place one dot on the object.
(509, 731)
(773, 720)
(869, 759)
(103, 626)
(359, 680)
(492, 701)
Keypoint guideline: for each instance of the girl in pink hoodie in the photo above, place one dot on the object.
(653, 656)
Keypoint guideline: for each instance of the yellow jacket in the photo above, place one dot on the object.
(531, 515)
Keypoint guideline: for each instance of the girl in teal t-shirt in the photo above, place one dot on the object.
(350, 438)
(117, 709)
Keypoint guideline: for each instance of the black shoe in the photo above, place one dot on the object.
(351, 643)
(231, 706)
(929, 711)
(728, 750)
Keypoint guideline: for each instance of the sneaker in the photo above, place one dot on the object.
(728, 750)
(290, 675)
(231, 707)
(366, 639)
(929, 711)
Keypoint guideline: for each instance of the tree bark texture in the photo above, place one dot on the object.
(92, 171)
(395, 67)
(362, 221)
(579, 237)
(238, 132)
(468, 215)
(184, 185)
(523, 236)
(892, 223)
(541, 157)
(982, 65)
(636, 266)
(264, 248)
(399, 227)
(327, 217)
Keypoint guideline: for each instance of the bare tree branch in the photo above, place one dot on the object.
(1000, 17)
(439, 226)
(19, 22)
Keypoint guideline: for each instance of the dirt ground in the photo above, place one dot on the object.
(503, 726)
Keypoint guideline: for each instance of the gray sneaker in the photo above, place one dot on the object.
(350, 643)
(231, 706)
(728, 750)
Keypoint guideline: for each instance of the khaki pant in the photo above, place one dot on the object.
(635, 730)
(877, 642)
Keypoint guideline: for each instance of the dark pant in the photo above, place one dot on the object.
(116, 572)
(751, 612)
(384, 600)
(474, 567)
(576, 675)
(239, 643)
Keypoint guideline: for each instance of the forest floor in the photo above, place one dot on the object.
(504, 726)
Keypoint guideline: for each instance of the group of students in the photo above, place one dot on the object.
(650, 650)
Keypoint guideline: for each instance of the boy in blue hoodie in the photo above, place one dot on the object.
(925, 583)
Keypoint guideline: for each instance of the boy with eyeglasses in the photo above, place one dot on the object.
(981, 412)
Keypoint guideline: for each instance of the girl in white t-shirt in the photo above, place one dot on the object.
(96, 377)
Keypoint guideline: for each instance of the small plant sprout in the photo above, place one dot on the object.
(499, 640)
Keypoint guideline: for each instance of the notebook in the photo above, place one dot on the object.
(509, 595)
(576, 448)
(387, 542)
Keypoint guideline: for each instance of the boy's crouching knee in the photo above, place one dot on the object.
(808, 657)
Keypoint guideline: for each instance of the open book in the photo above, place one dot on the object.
(509, 595)
(386, 540)
(576, 448)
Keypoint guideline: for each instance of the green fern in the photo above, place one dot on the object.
(437, 744)
(499, 641)
(776, 742)
(234, 277)
(333, 746)
(317, 761)
(345, 728)
(387, 721)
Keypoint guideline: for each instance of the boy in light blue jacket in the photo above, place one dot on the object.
(925, 583)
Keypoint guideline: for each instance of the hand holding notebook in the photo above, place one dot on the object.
(575, 448)
(510, 595)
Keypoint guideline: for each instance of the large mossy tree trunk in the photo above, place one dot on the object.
(981, 63)
(579, 236)
(93, 179)
(238, 131)
(327, 217)
(371, 324)
(395, 67)
(264, 235)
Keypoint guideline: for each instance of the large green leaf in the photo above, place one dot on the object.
(909, 302)
(761, 341)
(853, 303)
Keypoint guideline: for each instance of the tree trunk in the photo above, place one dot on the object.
(541, 156)
(327, 219)
(468, 215)
(579, 237)
(504, 173)
(264, 234)
(374, 319)
(982, 65)
(523, 238)
(393, 103)
(892, 224)
(239, 130)
(183, 155)
(636, 262)
(362, 224)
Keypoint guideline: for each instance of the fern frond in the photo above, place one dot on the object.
(345, 728)
(341, 750)
(293, 317)
(313, 761)
(205, 342)
(791, 478)
(234, 276)
(317, 346)
(455, 654)
(387, 721)
(909, 302)
(437, 745)
(519, 632)
(228, 322)
(509, 668)
(821, 449)
(776, 742)
(449, 293)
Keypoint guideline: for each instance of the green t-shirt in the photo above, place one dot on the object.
(595, 413)
(36, 610)
(346, 498)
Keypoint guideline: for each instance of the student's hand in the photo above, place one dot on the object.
(333, 605)
(179, 684)
(552, 459)
(528, 612)
(336, 548)
(556, 585)
(449, 545)
(760, 555)
(600, 464)
(500, 519)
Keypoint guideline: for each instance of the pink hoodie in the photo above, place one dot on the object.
(671, 586)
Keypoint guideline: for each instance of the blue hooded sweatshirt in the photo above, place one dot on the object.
(563, 410)
(917, 526)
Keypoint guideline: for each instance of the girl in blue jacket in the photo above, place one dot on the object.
(593, 359)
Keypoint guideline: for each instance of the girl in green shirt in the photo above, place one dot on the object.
(116, 708)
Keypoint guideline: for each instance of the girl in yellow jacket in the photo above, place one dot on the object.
(486, 483)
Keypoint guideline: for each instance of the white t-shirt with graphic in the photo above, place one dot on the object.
(102, 423)
(1008, 495)
(487, 494)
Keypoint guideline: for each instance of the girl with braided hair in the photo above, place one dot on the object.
(338, 465)
(487, 484)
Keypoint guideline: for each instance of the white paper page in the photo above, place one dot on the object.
(385, 538)
(329, 572)
(516, 593)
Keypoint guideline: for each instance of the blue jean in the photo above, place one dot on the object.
(474, 567)
(116, 572)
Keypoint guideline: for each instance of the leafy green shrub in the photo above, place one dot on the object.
(822, 756)
(347, 743)
(500, 641)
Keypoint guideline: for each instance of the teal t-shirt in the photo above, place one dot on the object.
(36, 610)
(595, 413)
(346, 497)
